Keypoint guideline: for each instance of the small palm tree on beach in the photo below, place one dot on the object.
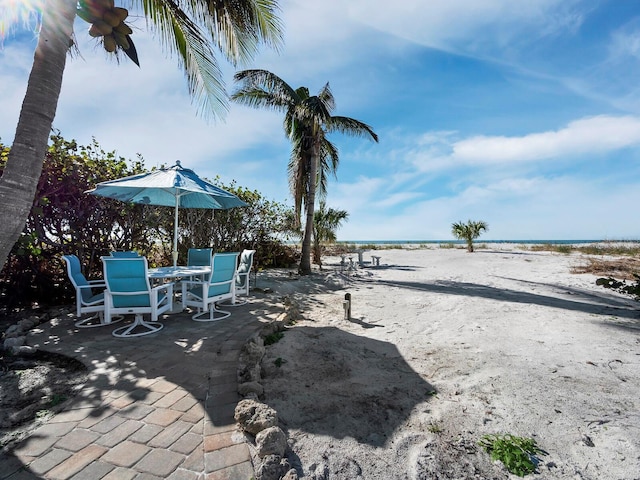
(469, 231)
(325, 223)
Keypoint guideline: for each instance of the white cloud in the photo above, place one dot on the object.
(603, 134)
(625, 41)
(588, 135)
(456, 25)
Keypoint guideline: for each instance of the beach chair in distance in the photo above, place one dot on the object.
(129, 292)
(89, 295)
(203, 295)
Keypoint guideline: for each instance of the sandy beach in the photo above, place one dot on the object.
(443, 347)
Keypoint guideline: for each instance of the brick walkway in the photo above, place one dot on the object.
(158, 406)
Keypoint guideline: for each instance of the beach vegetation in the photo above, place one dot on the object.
(469, 231)
(622, 286)
(631, 248)
(519, 455)
(195, 31)
(64, 219)
(615, 260)
(326, 222)
(308, 120)
(273, 338)
(435, 428)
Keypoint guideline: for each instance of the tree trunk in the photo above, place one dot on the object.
(24, 164)
(310, 201)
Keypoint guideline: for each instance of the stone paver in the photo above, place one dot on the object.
(154, 407)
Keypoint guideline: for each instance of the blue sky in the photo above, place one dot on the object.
(523, 114)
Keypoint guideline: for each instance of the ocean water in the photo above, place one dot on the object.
(477, 241)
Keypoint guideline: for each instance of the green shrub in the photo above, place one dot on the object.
(518, 454)
(273, 338)
(622, 286)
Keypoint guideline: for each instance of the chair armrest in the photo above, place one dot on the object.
(92, 285)
(143, 292)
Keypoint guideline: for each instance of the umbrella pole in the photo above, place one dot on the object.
(174, 253)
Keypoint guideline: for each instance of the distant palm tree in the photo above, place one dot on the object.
(469, 231)
(325, 223)
(307, 121)
(194, 30)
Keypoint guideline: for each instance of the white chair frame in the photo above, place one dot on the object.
(159, 303)
(205, 304)
(96, 307)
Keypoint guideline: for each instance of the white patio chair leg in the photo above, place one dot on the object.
(211, 314)
(235, 301)
(133, 330)
(90, 322)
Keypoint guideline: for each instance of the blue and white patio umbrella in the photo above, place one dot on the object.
(176, 187)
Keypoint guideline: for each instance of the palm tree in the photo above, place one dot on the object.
(307, 121)
(325, 223)
(194, 30)
(469, 231)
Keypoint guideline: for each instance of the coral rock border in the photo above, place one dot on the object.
(258, 421)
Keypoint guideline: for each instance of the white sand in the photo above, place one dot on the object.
(446, 346)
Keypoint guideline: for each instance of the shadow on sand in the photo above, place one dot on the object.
(347, 385)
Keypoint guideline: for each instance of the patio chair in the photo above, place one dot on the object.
(242, 279)
(199, 257)
(129, 292)
(125, 254)
(203, 295)
(89, 296)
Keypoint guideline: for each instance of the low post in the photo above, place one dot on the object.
(347, 306)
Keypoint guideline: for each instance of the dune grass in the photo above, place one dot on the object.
(620, 260)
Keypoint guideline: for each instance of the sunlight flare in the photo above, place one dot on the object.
(14, 13)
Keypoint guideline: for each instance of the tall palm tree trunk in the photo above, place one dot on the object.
(24, 164)
(310, 201)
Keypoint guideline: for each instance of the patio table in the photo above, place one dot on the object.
(179, 271)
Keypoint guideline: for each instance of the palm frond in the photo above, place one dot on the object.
(350, 126)
(326, 97)
(181, 35)
(261, 88)
(240, 26)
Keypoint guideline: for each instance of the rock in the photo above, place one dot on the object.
(252, 352)
(14, 342)
(249, 373)
(271, 441)
(254, 416)
(12, 331)
(273, 467)
(24, 350)
(290, 475)
(28, 323)
(247, 388)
